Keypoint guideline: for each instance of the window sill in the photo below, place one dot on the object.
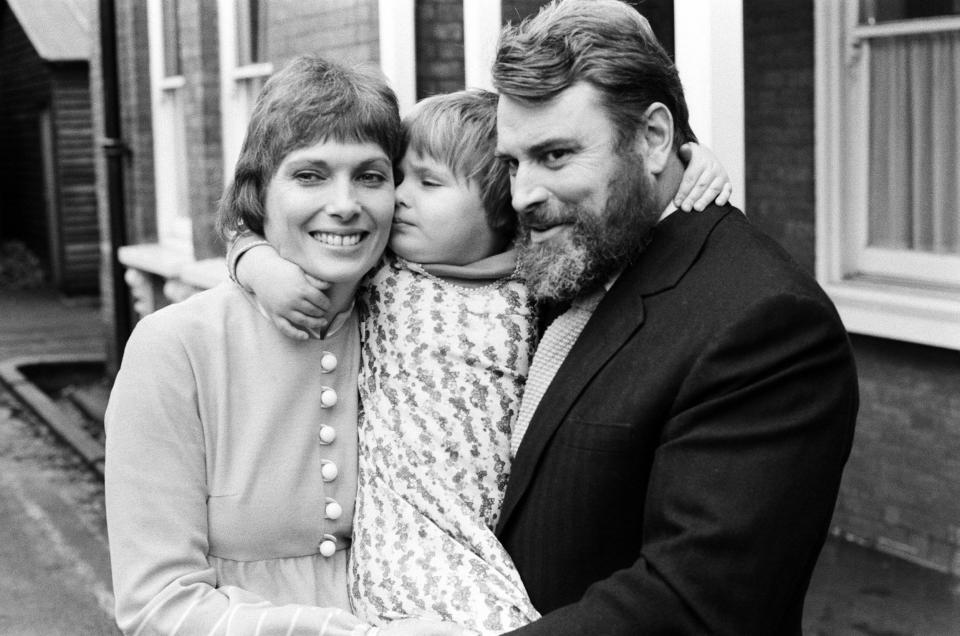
(158, 275)
(887, 310)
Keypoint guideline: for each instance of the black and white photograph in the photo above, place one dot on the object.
(480, 317)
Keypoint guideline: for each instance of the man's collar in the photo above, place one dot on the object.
(670, 209)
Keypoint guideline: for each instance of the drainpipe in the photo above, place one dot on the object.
(114, 150)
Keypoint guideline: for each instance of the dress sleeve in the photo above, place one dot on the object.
(156, 504)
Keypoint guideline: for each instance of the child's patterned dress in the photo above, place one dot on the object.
(442, 372)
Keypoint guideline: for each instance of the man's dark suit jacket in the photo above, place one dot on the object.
(680, 473)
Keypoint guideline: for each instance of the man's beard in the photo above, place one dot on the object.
(597, 245)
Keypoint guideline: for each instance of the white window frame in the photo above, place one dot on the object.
(913, 297)
(398, 49)
(174, 226)
(239, 86)
(710, 63)
(481, 28)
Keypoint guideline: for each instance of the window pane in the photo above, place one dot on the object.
(251, 31)
(914, 192)
(171, 39)
(875, 11)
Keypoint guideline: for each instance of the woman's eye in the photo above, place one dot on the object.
(372, 179)
(430, 183)
(308, 176)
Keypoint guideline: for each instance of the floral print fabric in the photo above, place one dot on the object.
(442, 372)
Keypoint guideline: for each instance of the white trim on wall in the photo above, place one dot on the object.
(481, 28)
(709, 56)
(239, 86)
(398, 49)
(174, 225)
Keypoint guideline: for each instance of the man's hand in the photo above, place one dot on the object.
(704, 180)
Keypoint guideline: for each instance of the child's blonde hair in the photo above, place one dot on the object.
(459, 130)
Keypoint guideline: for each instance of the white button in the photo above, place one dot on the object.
(327, 434)
(327, 547)
(328, 362)
(329, 471)
(333, 509)
(328, 397)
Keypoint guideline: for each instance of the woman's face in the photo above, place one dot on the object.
(329, 207)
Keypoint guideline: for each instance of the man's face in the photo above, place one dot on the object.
(585, 205)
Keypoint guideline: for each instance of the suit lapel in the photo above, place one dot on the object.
(676, 243)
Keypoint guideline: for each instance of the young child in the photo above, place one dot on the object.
(448, 333)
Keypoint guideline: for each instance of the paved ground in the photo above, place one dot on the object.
(54, 572)
(54, 565)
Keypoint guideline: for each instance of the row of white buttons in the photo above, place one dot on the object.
(328, 470)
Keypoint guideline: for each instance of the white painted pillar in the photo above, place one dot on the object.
(398, 49)
(709, 54)
(481, 27)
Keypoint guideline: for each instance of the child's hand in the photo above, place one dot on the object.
(293, 299)
(704, 180)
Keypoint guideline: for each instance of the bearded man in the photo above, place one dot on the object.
(689, 412)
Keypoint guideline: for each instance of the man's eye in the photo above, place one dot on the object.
(555, 156)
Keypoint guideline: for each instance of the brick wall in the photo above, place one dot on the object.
(658, 12)
(778, 103)
(136, 121)
(345, 30)
(439, 46)
(199, 46)
(901, 488)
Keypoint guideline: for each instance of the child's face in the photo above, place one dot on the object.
(439, 218)
(328, 208)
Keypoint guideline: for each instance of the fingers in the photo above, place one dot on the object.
(313, 307)
(316, 282)
(287, 329)
(724, 197)
(706, 196)
(306, 322)
(702, 195)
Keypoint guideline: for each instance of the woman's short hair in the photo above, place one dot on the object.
(459, 130)
(605, 43)
(310, 100)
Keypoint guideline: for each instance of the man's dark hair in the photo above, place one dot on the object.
(605, 43)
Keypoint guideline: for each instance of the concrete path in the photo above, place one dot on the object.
(35, 322)
(54, 561)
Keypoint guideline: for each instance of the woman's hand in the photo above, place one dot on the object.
(704, 179)
(422, 627)
(293, 300)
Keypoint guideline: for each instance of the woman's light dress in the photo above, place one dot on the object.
(225, 515)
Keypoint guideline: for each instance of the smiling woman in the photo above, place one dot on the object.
(246, 440)
(330, 206)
